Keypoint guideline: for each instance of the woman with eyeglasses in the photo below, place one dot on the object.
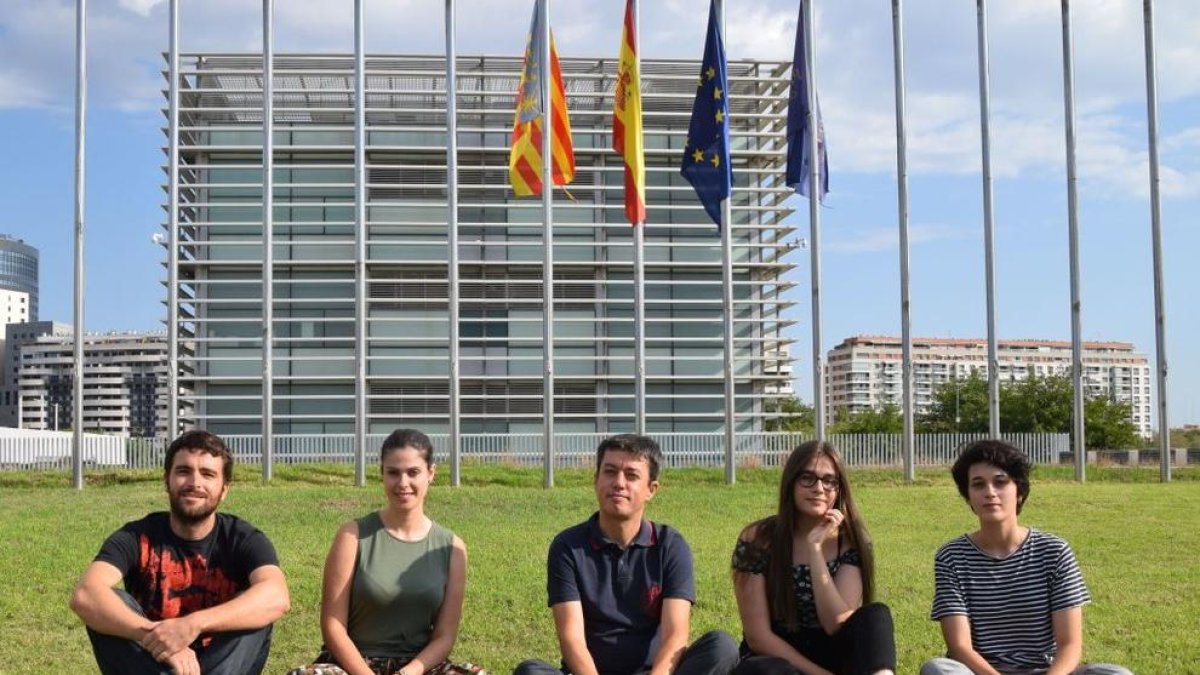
(804, 579)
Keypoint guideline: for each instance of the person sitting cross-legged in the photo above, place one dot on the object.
(1009, 598)
(805, 577)
(621, 587)
(395, 580)
(202, 589)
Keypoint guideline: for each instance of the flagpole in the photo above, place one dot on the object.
(639, 270)
(173, 227)
(268, 237)
(1077, 404)
(814, 220)
(452, 233)
(989, 234)
(1160, 313)
(548, 256)
(639, 329)
(80, 184)
(910, 473)
(360, 246)
(727, 304)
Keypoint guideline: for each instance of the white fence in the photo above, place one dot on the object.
(36, 450)
(52, 449)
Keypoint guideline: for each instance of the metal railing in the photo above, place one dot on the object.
(50, 450)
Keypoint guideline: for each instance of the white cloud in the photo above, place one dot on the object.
(873, 240)
(1113, 161)
(141, 7)
(127, 37)
(1182, 141)
(761, 32)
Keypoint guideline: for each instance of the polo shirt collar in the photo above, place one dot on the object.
(644, 539)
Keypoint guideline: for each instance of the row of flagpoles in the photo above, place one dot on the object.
(705, 164)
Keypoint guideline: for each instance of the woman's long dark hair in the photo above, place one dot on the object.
(775, 532)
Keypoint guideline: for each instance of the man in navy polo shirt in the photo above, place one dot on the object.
(621, 587)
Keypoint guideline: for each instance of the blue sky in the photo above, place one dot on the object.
(860, 258)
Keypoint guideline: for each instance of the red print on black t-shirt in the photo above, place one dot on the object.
(175, 588)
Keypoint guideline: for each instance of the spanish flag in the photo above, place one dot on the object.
(525, 159)
(627, 121)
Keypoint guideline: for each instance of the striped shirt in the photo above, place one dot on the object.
(1008, 601)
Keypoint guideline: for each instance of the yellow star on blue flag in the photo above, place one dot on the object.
(708, 133)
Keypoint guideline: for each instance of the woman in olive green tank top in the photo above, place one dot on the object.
(392, 594)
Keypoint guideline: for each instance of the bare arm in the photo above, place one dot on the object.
(1068, 639)
(836, 598)
(258, 606)
(956, 630)
(673, 631)
(335, 600)
(445, 628)
(102, 609)
(751, 593)
(568, 624)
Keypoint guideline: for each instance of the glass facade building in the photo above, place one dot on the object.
(313, 376)
(19, 270)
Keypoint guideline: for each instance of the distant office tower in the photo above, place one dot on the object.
(18, 304)
(19, 272)
(124, 380)
(501, 286)
(14, 309)
(864, 371)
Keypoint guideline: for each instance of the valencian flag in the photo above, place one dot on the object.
(525, 159)
(627, 121)
(706, 152)
(799, 156)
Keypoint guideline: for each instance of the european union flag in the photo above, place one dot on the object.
(706, 152)
(799, 157)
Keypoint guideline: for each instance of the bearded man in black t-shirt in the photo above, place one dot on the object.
(201, 589)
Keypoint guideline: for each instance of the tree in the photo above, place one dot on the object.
(794, 415)
(1187, 436)
(959, 405)
(886, 419)
(1037, 404)
(1107, 425)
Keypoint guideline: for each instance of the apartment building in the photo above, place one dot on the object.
(124, 380)
(864, 371)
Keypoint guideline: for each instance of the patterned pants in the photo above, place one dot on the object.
(326, 665)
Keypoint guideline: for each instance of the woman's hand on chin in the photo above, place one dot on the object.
(826, 529)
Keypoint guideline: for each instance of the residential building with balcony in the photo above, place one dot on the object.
(124, 380)
(865, 371)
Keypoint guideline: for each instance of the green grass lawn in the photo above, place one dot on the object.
(1138, 543)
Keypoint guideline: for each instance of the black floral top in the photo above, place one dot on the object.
(751, 559)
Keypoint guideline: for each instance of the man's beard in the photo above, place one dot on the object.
(195, 515)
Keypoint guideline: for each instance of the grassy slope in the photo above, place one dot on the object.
(1136, 541)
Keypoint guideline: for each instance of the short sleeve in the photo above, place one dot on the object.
(850, 557)
(748, 558)
(678, 576)
(256, 550)
(120, 549)
(948, 596)
(1067, 589)
(562, 584)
